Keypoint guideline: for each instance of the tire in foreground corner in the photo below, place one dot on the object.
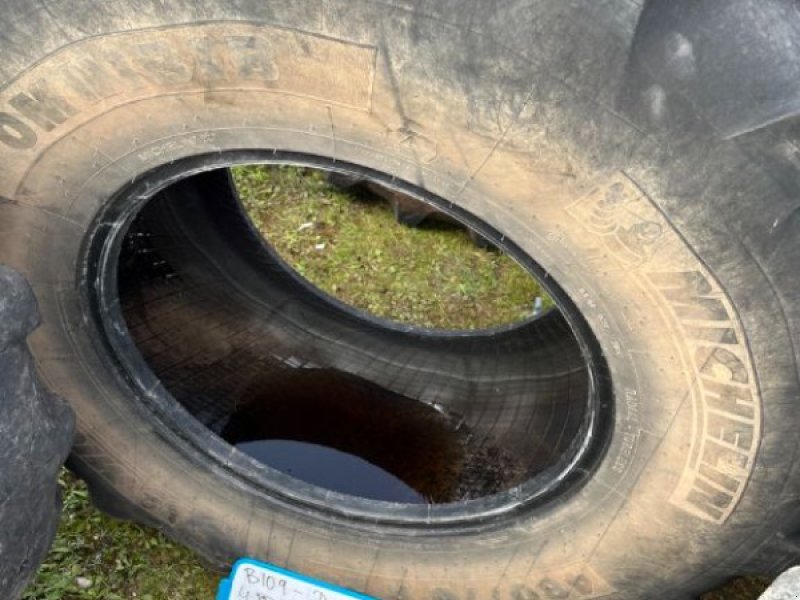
(36, 429)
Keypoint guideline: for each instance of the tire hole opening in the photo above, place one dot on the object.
(227, 295)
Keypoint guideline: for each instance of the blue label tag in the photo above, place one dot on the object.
(253, 580)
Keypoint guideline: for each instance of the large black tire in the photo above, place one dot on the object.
(36, 430)
(645, 156)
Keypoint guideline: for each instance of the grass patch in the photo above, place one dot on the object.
(96, 557)
(352, 248)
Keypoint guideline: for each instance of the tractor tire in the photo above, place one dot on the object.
(36, 428)
(640, 158)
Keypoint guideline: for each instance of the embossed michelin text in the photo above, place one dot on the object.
(580, 582)
(729, 424)
(617, 214)
(14, 133)
(204, 57)
(577, 582)
(688, 306)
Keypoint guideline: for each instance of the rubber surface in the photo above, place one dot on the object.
(36, 429)
(571, 127)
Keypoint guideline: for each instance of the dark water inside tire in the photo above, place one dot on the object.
(346, 434)
(349, 435)
(331, 469)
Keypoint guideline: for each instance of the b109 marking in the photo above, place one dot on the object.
(253, 580)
